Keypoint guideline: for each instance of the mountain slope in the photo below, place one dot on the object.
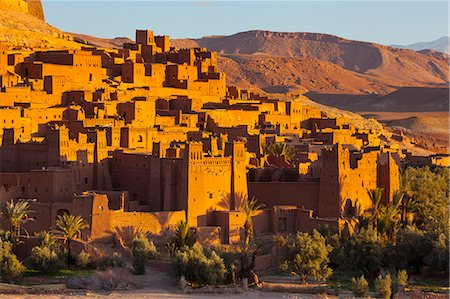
(384, 67)
(274, 74)
(441, 45)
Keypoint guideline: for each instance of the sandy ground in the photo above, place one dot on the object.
(155, 284)
(163, 294)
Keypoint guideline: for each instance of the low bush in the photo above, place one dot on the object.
(83, 260)
(402, 278)
(383, 286)
(11, 269)
(46, 257)
(142, 246)
(199, 266)
(46, 260)
(233, 259)
(143, 249)
(360, 286)
(106, 262)
(110, 280)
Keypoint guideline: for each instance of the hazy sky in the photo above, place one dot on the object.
(385, 22)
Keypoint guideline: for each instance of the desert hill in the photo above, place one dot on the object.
(385, 66)
(22, 25)
(274, 74)
(100, 42)
(429, 129)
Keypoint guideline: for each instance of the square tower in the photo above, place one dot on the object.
(145, 37)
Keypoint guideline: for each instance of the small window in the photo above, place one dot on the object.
(282, 224)
(85, 180)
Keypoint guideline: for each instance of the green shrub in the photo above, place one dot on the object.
(199, 266)
(430, 189)
(46, 239)
(6, 236)
(360, 286)
(437, 258)
(383, 286)
(11, 268)
(143, 247)
(306, 255)
(115, 260)
(83, 260)
(139, 264)
(45, 259)
(233, 259)
(364, 252)
(171, 249)
(402, 278)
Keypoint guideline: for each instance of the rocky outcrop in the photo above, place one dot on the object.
(22, 26)
(35, 9)
(32, 7)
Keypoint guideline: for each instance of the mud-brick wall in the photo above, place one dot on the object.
(152, 222)
(299, 194)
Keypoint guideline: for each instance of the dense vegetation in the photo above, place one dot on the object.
(411, 232)
(407, 235)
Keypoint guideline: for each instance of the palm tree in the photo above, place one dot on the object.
(407, 208)
(389, 216)
(281, 150)
(249, 208)
(17, 214)
(375, 196)
(184, 236)
(70, 227)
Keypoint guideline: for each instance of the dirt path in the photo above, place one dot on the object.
(164, 294)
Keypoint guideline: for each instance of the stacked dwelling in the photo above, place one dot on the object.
(149, 135)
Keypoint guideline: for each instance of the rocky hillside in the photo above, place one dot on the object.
(32, 7)
(100, 42)
(22, 25)
(364, 68)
